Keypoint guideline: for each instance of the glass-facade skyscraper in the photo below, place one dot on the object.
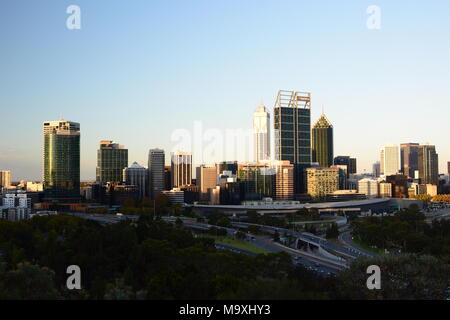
(61, 174)
(322, 142)
(112, 158)
(156, 160)
(292, 129)
(409, 153)
(428, 165)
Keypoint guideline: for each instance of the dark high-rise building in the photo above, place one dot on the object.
(259, 180)
(292, 128)
(167, 177)
(352, 169)
(448, 168)
(409, 153)
(61, 174)
(346, 161)
(112, 158)
(428, 165)
(376, 169)
(156, 172)
(322, 142)
(137, 175)
(399, 184)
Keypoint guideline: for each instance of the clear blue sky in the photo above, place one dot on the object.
(139, 69)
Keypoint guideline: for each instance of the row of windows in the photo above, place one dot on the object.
(290, 111)
(290, 143)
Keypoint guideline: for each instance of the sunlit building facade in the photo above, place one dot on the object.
(61, 174)
(292, 129)
(322, 142)
(112, 158)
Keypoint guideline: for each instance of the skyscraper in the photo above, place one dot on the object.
(448, 168)
(181, 169)
(5, 179)
(261, 134)
(346, 161)
(258, 178)
(137, 175)
(376, 169)
(322, 142)
(284, 180)
(112, 158)
(292, 128)
(428, 165)
(156, 174)
(389, 162)
(206, 179)
(61, 174)
(409, 153)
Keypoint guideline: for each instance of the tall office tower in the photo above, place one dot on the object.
(428, 165)
(376, 169)
(284, 180)
(258, 180)
(322, 181)
(261, 134)
(112, 158)
(448, 168)
(181, 169)
(156, 176)
(206, 179)
(292, 127)
(167, 177)
(5, 179)
(409, 153)
(322, 142)
(137, 175)
(352, 166)
(346, 161)
(61, 174)
(389, 162)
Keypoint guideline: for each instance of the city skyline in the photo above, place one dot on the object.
(48, 73)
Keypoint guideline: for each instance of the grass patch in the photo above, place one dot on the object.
(367, 247)
(240, 244)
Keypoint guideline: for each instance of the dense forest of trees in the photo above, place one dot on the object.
(405, 231)
(151, 259)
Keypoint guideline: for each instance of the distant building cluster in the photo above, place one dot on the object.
(303, 168)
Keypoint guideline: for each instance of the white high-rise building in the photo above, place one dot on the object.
(261, 134)
(389, 160)
(156, 180)
(369, 187)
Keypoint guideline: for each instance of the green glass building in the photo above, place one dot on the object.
(61, 175)
(258, 180)
(292, 128)
(322, 142)
(112, 158)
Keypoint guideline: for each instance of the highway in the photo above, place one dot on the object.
(346, 239)
(313, 263)
(349, 252)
